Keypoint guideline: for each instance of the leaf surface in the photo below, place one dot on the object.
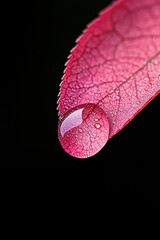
(115, 63)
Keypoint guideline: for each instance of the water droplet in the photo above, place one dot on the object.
(97, 125)
(117, 97)
(96, 119)
(76, 129)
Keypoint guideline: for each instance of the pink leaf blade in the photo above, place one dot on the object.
(116, 62)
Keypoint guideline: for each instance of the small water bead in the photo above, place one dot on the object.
(82, 128)
(97, 125)
(96, 119)
(118, 97)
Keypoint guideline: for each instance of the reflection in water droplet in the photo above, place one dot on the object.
(73, 120)
(84, 130)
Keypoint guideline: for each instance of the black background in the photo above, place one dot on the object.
(124, 176)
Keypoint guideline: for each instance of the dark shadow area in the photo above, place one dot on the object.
(124, 176)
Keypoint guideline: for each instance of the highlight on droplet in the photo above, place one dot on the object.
(84, 130)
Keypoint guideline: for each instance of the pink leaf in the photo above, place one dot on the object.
(111, 74)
